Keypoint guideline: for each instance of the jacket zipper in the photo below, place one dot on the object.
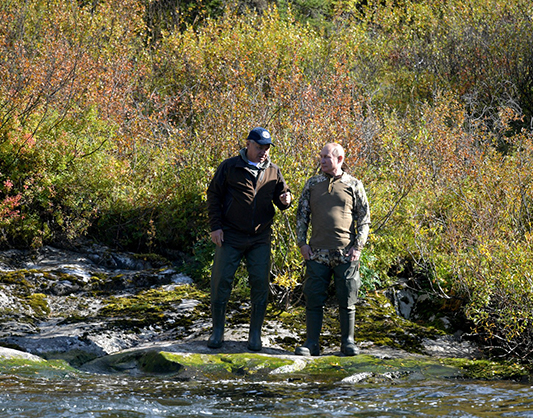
(257, 180)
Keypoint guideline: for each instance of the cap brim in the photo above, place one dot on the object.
(261, 142)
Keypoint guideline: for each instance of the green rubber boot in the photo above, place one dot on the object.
(311, 347)
(256, 322)
(218, 312)
(347, 322)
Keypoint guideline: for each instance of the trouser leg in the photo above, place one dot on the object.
(225, 265)
(315, 290)
(347, 283)
(258, 265)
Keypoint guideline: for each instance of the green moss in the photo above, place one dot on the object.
(209, 366)
(377, 321)
(244, 363)
(59, 275)
(38, 303)
(17, 278)
(145, 303)
(151, 307)
(251, 366)
(72, 319)
(36, 368)
(491, 370)
(12, 277)
(333, 368)
(156, 260)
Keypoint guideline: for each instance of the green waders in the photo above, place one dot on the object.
(227, 260)
(218, 312)
(313, 322)
(347, 283)
(256, 322)
(347, 322)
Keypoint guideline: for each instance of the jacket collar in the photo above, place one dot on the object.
(329, 176)
(260, 166)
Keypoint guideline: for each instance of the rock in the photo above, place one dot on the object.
(358, 377)
(450, 346)
(269, 367)
(63, 288)
(9, 353)
(112, 311)
(18, 363)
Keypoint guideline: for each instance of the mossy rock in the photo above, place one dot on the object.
(188, 365)
(73, 357)
(484, 369)
(37, 368)
(333, 368)
(251, 366)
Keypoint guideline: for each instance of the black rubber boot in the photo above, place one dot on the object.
(311, 347)
(347, 322)
(256, 322)
(218, 311)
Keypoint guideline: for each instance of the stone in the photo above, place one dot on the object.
(98, 306)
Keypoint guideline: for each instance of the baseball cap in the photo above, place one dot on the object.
(261, 136)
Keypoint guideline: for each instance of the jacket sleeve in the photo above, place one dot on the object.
(281, 187)
(216, 193)
(303, 216)
(361, 216)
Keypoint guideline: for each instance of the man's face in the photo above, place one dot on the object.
(257, 153)
(328, 162)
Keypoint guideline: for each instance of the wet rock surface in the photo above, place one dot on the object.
(91, 303)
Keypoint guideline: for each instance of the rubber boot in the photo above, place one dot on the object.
(347, 322)
(218, 312)
(311, 347)
(256, 322)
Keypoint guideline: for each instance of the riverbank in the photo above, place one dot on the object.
(104, 311)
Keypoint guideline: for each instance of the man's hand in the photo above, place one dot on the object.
(306, 251)
(354, 254)
(217, 237)
(285, 198)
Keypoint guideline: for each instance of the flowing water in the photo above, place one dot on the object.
(136, 397)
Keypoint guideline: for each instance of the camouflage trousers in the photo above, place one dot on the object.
(331, 258)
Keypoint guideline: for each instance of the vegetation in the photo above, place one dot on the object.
(332, 369)
(114, 116)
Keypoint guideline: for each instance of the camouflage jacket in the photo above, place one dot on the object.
(337, 211)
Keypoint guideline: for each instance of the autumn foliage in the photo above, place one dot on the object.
(109, 132)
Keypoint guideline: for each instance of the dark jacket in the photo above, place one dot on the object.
(240, 196)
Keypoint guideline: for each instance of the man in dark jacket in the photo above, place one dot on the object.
(241, 199)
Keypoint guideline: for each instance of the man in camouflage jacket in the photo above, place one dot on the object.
(335, 205)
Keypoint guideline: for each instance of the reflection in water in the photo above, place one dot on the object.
(117, 397)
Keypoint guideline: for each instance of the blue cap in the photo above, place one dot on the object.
(261, 136)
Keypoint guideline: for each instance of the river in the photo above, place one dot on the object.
(105, 396)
